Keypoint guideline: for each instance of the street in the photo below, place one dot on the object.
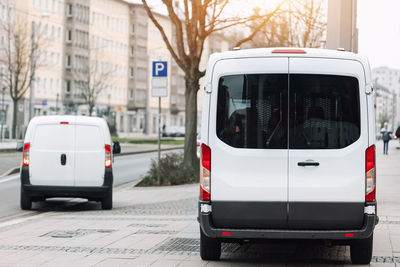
(127, 168)
(157, 226)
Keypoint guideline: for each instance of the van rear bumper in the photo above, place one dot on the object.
(66, 191)
(205, 220)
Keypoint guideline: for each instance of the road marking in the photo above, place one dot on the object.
(10, 178)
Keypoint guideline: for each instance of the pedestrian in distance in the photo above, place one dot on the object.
(386, 136)
(397, 134)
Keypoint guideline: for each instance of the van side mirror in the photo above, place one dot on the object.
(20, 146)
(116, 147)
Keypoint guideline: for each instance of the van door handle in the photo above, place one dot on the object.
(307, 163)
(63, 159)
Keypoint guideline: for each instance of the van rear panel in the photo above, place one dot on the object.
(89, 155)
(49, 143)
(269, 118)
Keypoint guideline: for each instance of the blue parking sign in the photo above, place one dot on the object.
(160, 68)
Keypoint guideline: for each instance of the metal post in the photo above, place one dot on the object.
(159, 139)
(3, 113)
(31, 89)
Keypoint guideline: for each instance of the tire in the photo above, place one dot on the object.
(106, 202)
(210, 248)
(25, 200)
(361, 251)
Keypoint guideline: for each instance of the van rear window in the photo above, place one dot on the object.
(323, 111)
(252, 110)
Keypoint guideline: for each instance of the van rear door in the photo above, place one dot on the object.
(89, 155)
(328, 138)
(52, 154)
(248, 141)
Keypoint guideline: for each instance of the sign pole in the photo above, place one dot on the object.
(159, 139)
(159, 89)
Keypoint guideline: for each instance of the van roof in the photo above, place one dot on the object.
(67, 118)
(309, 52)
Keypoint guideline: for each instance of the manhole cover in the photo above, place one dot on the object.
(147, 225)
(76, 233)
(155, 232)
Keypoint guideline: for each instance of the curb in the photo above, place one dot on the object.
(9, 172)
(9, 150)
(148, 151)
(16, 169)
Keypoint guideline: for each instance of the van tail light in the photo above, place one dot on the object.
(205, 173)
(25, 154)
(108, 160)
(370, 174)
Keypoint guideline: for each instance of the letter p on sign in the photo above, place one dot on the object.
(160, 68)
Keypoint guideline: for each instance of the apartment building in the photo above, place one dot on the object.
(387, 83)
(7, 11)
(103, 49)
(109, 59)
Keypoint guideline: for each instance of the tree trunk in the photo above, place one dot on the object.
(14, 122)
(90, 109)
(190, 159)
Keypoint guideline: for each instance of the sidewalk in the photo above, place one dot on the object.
(156, 226)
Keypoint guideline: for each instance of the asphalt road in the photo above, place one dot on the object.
(125, 169)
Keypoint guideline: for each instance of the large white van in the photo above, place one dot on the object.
(288, 149)
(67, 156)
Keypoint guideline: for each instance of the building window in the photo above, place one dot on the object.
(52, 32)
(44, 84)
(131, 72)
(38, 84)
(69, 36)
(132, 51)
(69, 10)
(68, 61)
(67, 87)
(132, 28)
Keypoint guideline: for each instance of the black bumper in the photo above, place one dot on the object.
(205, 220)
(66, 191)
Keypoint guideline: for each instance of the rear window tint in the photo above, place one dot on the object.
(324, 111)
(54, 137)
(252, 110)
(88, 138)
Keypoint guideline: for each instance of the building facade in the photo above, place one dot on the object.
(7, 12)
(101, 50)
(342, 29)
(387, 84)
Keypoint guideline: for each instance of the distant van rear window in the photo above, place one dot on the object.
(296, 111)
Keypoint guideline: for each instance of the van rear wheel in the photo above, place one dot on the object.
(106, 202)
(210, 248)
(361, 251)
(25, 200)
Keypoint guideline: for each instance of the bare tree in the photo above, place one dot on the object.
(21, 60)
(193, 24)
(300, 23)
(93, 78)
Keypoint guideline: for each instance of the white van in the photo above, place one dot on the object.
(288, 149)
(67, 156)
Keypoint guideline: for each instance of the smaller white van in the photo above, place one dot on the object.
(67, 156)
